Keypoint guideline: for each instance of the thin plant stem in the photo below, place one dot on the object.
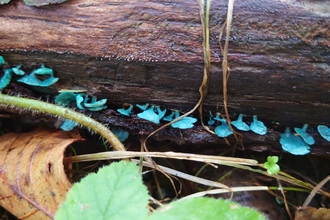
(44, 107)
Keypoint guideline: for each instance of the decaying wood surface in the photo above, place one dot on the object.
(142, 51)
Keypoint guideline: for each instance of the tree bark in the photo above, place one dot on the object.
(142, 51)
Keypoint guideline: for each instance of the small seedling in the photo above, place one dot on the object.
(271, 165)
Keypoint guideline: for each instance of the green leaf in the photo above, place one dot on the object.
(115, 192)
(271, 165)
(2, 2)
(205, 209)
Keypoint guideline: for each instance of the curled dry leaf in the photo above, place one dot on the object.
(311, 213)
(33, 181)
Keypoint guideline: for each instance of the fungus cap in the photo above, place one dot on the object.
(149, 115)
(324, 132)
(258, 127)
(304, 135)
(240, 124)
(223, 130)
(293, 144)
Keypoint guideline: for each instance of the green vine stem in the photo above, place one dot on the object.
(44, 107)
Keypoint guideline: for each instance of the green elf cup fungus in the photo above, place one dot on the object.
(65, 98)
(142, 107)
(30, 79)
(293, 144)
(126, 112)
(120, 133)
(79, 100)
(223, 130)
(95, 103)
(44, 70)
(304, 135)
(210, 121)
(217, 118)
(184, 123)
(48, 82)
(324, 132)
(68, 125)
(2, 60)
(6, 78)
(149, 115)
(160, 113)
(169, 117)
(258, 127)
(239, 124)
(17, 70)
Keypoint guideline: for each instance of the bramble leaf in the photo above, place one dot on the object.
(205, 209)
(114, 192)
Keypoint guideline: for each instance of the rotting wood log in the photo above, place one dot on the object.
(142, 51)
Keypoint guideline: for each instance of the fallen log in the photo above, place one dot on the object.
(151, 52)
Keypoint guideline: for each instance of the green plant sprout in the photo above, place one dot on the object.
(271, 165)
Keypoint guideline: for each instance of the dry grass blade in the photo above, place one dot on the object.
(203, 89)
(316, 189)
(173, 155)
(185, 176)
(232, 189)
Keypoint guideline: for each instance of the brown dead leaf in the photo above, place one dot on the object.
(311, 213)
(33, 181)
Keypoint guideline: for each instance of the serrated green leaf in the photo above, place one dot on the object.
(42, 2)
(114, 192)
(205, 209)
(2, 2)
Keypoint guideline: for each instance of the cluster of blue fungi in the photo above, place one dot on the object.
(297, 145)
